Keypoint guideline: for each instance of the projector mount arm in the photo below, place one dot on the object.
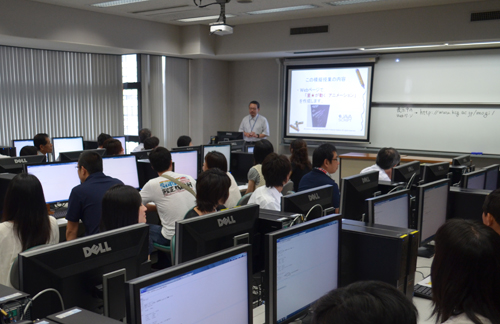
(222, 3)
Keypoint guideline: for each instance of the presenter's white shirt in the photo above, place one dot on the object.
(381, 173)
(171, 200)
(234, 193)
(266, 198)
(10, 247)
(257, 124)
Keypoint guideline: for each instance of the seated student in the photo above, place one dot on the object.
(143, 135)
(465, 273)
(184, 140)
(85, 199)
(491, 211)
(300, 162)
(387, 158)
(43, 145)
(151, 142)
(212, 190)
(364, 302)
(216, 159)
(172, 193)
(113, 147)
(28, 150)
(325, 162)
(276, 171)
(255, 178)
(25, 222)
(101, 139)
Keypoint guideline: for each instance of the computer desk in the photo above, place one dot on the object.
(424, 306)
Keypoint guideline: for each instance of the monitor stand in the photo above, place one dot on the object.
(426, 251)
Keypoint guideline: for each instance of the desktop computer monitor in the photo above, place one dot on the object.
(432, 212)
(74, 156)
(20, 143)
(122, 167)
(241, 163)
(221, 148)
(199, 236)
(302, 202)
(436, 171)
(229, 136)
(236, 145)
(186, 162)
(391, 209)
(123, 141)
(491, 182)
(464, 160)
(141, 155)
(473, 180)
(66, 144)
(405, 172)
(57, 179)
(16, 164)
(249, 148)
(197, 148)
(75, 268)
(298, 272)
(354, 191)
(212, 289)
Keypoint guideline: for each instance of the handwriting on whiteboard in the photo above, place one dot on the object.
(409, 112)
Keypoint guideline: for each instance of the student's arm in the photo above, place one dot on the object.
(71, 230)
(251, 187)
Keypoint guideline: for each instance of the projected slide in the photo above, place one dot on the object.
(329, 102)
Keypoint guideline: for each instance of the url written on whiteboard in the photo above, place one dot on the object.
(409, 112)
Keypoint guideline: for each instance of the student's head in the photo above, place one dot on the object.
(212, 189)
(388, 158)
(184, 140)
(42, 143)
(465, 271)
(325, 156)
(253, 108)
(276, 170)
(491, 210)
(161, 159)
(28, 150)
(151, 142)
(24, 205)
(122, 206)
(215, 159)
(143, 134)
(262, 149)
(89, 163)
(102, 138)
(365, 302)
(113, 147)
(300, 157)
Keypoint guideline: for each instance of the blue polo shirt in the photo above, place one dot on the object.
(317, 178)
(85, 201)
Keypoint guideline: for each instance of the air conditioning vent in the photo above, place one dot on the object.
(309, 30)
(480, 16)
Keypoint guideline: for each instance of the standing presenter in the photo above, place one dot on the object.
(255, 126)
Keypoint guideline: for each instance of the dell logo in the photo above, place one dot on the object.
(226, 221)
(411, 169)
(365, 180)
(440, 168)
(96, 249)
(314, 196)
(20, 161)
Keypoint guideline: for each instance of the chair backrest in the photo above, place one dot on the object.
(244, 200)
(287, 188)
(316, 211)
(190, 210)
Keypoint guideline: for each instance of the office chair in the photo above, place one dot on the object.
(244, 200)
(287, 188)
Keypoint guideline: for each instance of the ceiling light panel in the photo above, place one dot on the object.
(203, 18)
(267, 11)
(348, 2)
(115, 3)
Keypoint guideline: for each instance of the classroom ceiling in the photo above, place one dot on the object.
(170, 11)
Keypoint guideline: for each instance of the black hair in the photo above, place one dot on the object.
(322, 153)
(101, 138)
(300, 157)
(28, 150)
(365, 302)
(491, 205)
(120, 207)
(183, 140)
(275, 169)
(91, 161)
(465, 271)
(40, 139)
(255, 102)
(262, 149)
(387, 158)
(112, 146)
(143, 134)
(151, 142)
(216, 159)
(212, 187)
(160, 159)
(24, 205)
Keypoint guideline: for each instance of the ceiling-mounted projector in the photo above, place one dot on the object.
(220, 28)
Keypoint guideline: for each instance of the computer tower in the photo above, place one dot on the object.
(370, 253)
(7, 150)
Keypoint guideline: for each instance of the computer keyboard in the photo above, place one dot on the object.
(422, 291)
(60, 213)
